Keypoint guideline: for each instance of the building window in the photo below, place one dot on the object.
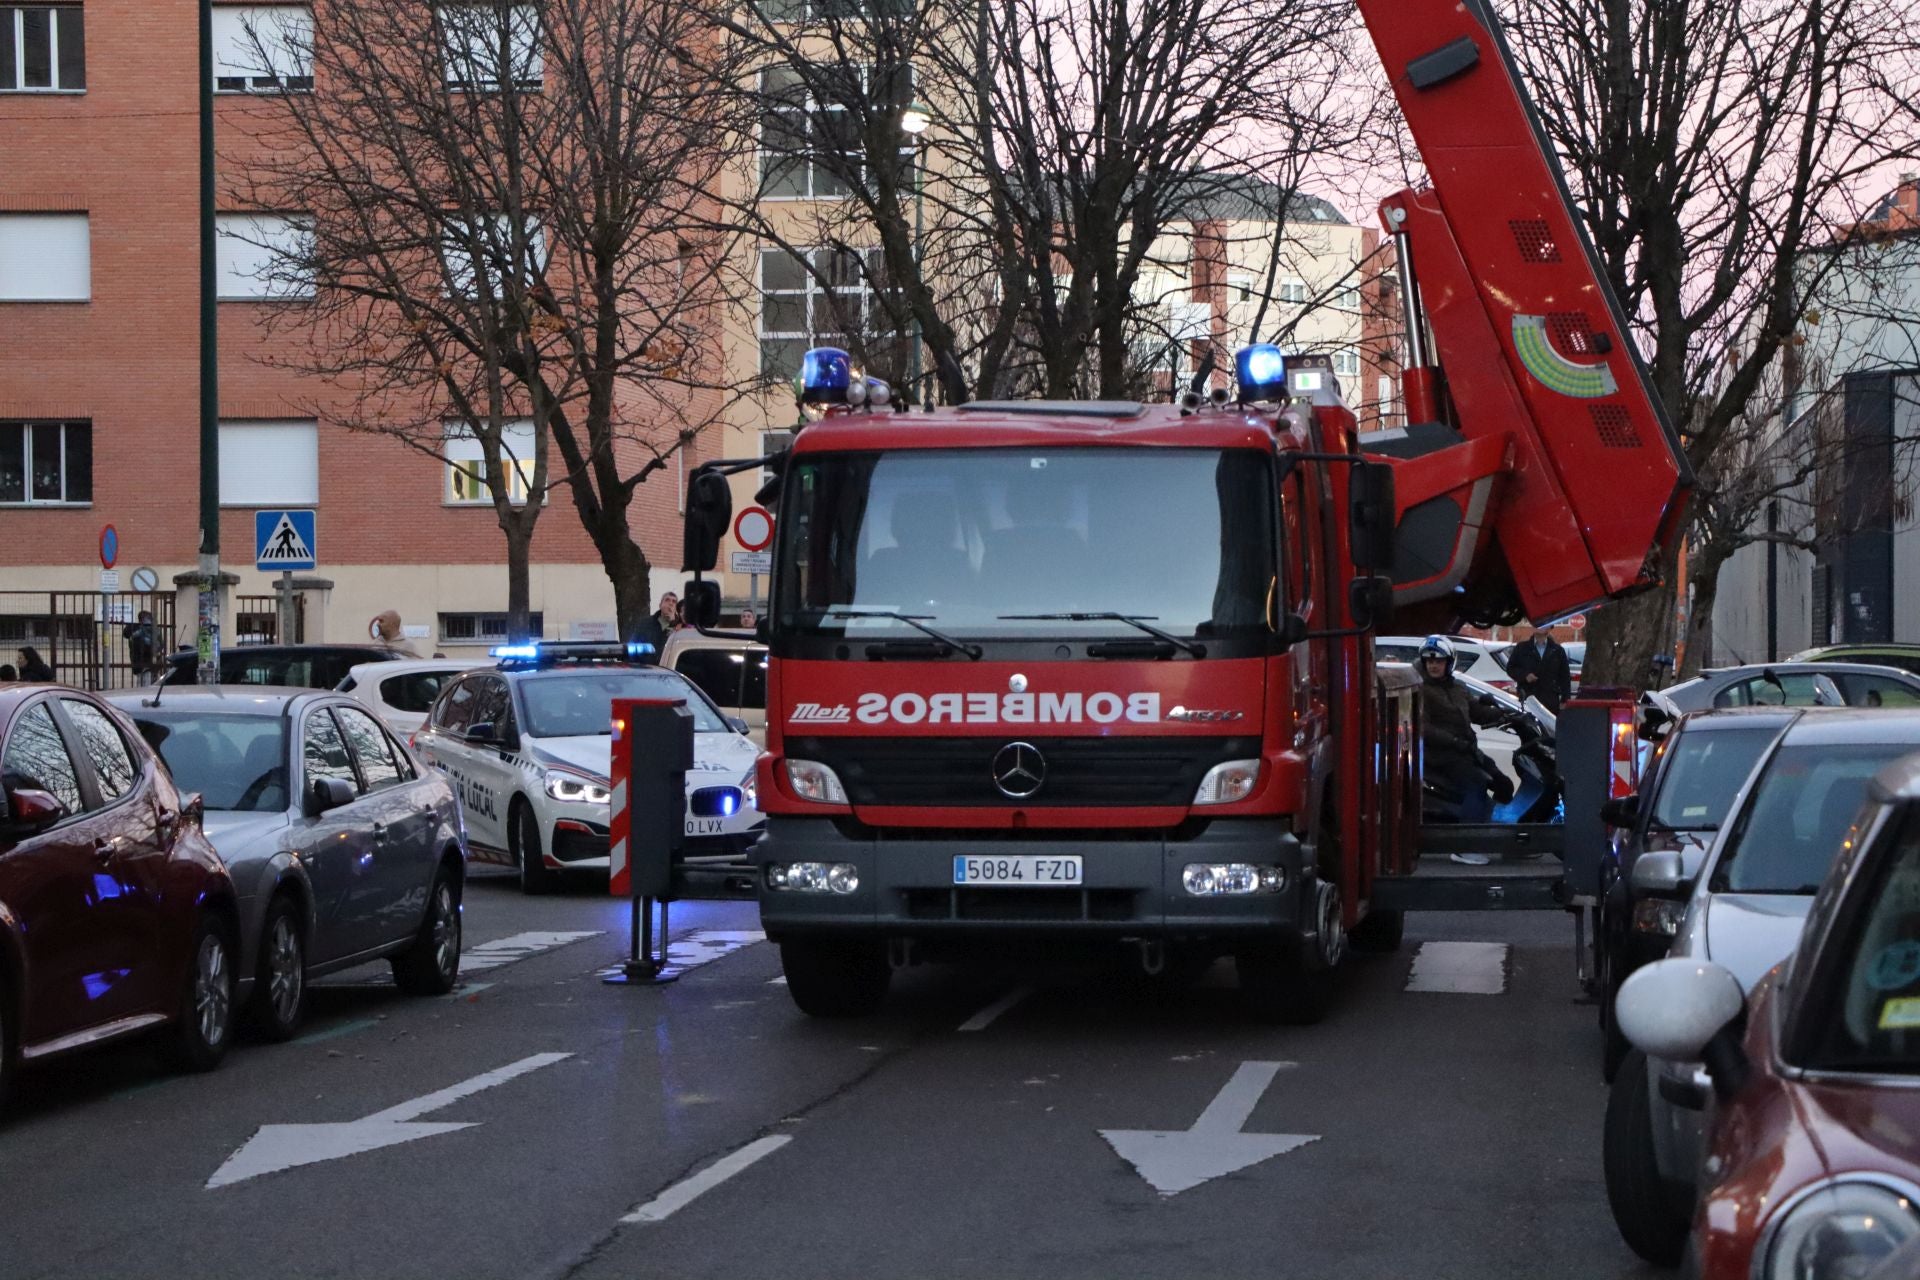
(264, 256)
(797, 311)
(1347, 298)
(46, 462)
(1239, 286)
(490, 45)
(269, 464)
(1293, 291)
(824, 10)
(467, 468)
(810, 148)
(771, 443)
(1346, 362)
(460, 238)
(262, 48)
(45, 257)
(43, 48)
(483, 628)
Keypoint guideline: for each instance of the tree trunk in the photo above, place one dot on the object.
(1623, 636)
(628, 571)
(1704, 575)
(519, 591)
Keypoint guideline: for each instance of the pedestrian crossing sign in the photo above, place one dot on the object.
(284, 540)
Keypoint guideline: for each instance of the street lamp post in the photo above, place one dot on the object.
(915, 120)
(212, 589)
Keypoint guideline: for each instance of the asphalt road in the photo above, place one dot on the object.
(507, 1130)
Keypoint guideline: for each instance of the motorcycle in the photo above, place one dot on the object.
(1536, 799)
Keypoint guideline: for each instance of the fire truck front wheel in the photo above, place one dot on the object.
(830, 977)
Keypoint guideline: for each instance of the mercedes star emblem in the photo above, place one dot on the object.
(1019, 769)
(1017, 683)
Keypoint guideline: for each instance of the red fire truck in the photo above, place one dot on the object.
(1044, 673)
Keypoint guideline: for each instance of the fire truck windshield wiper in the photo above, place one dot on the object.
(1197, 650)
(916, 621)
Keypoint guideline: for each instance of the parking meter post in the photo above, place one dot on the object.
(652, 751)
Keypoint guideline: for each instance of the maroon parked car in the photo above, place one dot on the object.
(116, 915)
(1813, 1171)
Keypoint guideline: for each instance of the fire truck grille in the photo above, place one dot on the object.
(1093, 772)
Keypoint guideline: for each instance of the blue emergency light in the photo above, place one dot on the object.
(1261, 371)
(515, 652)
(825, 374)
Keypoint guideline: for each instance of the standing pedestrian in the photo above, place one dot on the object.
(141, 640)
(1540, 669)
(33, 666)
(661, 623)
(388, 631)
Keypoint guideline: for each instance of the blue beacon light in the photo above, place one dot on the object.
(520, 652)
(1261, 371)
(825, 374)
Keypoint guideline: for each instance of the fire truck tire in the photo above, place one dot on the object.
(1651, 1216)
(836, 977)
(1278, 987)
(1380, 932)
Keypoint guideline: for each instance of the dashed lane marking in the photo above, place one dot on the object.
(703, 946)
(684, 1193)
(491, 955)
(1460, 968)
(985, 1018)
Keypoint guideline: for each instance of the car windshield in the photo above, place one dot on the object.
(1704, 772)
(1802, 806)
(731, 677)
(964, 538)
(1874, 1025)
(576, 704)
(236, 762)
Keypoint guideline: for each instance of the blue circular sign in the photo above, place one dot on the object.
(109, 547)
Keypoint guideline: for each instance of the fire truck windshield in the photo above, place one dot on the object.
(960, 539)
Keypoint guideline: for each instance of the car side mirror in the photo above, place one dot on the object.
(1371, 598)
(481, 735)
(1687, 1010)
(1662, 873)
(737, 724)
(700, 602)
(1291, 628)
(1621, 811)
(326, 794)
(709, 510)
(30, 810)
(1370, 514)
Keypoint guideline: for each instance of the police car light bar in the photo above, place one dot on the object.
(826, 373)
(1261, 371)
(548, 652)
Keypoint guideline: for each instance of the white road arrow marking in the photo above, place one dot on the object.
(1178, 1160)
(275, 1147)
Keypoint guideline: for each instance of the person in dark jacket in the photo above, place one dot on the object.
(1540, 670)
(33, 666)
(141, 638)
(1450, 750)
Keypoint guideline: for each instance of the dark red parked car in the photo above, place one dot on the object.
(116, 915)
(1813, 1168)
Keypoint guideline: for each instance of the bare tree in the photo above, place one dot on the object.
(511, 222)
(1003, 246)
(1711, 144)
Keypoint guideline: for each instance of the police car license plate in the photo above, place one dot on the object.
(1024, 872)
(704, 826)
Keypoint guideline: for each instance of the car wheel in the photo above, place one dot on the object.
(431, 964)
(9, 1059)
(1646, 1208)
(1613, 1045)
(203, 1026)
(535, 878)
(1276, 987)
(836, 977)
(280, 981)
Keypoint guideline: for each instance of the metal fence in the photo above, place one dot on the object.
(88, 637)
(256, 620)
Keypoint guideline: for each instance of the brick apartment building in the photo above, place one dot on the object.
(99, 392)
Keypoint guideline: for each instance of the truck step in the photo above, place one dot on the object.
(1495, 839)
(1440, 884)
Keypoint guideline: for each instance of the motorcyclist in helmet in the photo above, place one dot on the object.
(1451, 753)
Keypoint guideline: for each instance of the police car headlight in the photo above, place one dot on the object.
(1226, 783)
(813, 781)
(575, 789)
(750, 788)
(1840, 1232)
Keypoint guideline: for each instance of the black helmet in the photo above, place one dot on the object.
(1437, 647)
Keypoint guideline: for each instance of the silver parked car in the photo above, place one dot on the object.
(1746, 904)
(1796, 684)
(341, 847)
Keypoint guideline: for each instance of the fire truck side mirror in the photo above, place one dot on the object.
(700, 601)
(709, 510)
(1370, 515)
(1371, 597)
(1291, 628)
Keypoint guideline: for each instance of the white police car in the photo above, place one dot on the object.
(527, 747)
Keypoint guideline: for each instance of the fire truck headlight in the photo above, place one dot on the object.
(1222, 879)
(1226, 783)
(813, 781)
(814, 877)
